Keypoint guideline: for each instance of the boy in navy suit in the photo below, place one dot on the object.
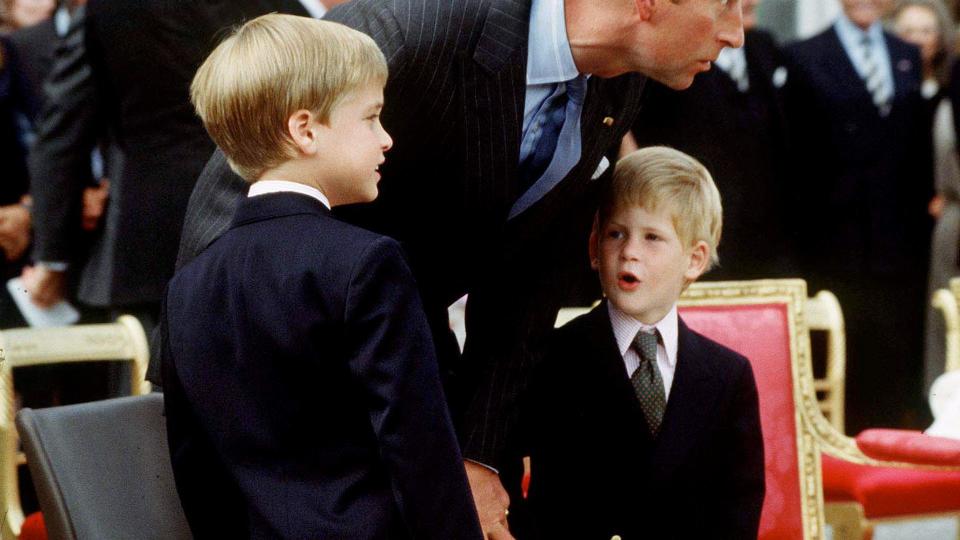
(636, 426)
(302, 390)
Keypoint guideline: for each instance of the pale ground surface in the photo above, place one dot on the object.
(927, 529)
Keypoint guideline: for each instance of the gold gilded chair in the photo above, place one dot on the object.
(763, 321)
(889, 475)
(948, 302)
(123, 340)
(823, 314)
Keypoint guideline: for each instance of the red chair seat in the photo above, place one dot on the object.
(33, 528)
(910, 447)
(886, 492)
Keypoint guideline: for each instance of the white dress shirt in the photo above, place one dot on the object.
(263, 187)
(315, 8)
(625, 328)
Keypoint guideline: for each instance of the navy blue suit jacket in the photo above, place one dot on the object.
(862, 181)
(302, 389)
(595, 469)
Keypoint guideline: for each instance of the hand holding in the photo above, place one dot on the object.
(46, 286)
(491, 500)
(14, 230)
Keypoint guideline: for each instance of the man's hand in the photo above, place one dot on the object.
(94, 204)
(14, 230)
(491, 499)
(46, 286)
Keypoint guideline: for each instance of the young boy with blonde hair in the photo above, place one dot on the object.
(301, 385)
(637, 426)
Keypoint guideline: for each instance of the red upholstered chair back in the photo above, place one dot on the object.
(759, 320)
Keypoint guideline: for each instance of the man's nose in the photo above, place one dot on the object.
(731, 27)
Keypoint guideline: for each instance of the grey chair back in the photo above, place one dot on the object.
(102, 469)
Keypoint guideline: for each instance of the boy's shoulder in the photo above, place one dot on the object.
(715, 359)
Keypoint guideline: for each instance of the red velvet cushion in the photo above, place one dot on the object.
(909, 446)
(33, 528)
(890, 491)
(761, 333)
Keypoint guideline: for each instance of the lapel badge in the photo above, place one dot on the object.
(608, 121)
(904, 65)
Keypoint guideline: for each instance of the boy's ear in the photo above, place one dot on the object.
(302, 128)
(699, 259)
(593, 247)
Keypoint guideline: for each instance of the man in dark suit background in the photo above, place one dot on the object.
(122, 73)
(732, 120)
(482, 203)
(861, 191)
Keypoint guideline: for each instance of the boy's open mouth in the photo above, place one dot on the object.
(626, 280)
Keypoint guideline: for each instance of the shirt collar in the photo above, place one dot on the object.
(852, 35)
(625, 328)
(728, 56)
(315, 8)
(549, 59)
(263, 187)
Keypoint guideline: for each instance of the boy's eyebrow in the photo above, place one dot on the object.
(375, 106)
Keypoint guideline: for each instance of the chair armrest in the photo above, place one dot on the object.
(909, 447)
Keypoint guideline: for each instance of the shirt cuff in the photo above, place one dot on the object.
(54, 266)
(484, 465)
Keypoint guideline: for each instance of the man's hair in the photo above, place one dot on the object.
(657, 178)
(270, 68)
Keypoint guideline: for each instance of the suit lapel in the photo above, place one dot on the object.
(692, 397)
(846, 75)
(607, 390)
(902, 67)
(494, 85)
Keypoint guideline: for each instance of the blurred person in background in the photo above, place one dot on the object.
(17, 14)
(732, 120)
(862, 163)
(928, 25)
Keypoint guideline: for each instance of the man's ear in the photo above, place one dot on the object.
(645, 8)
(594, 248)
(302, 128)
(699, 259)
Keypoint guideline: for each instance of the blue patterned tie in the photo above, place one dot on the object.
(647, 382)
(554, 112)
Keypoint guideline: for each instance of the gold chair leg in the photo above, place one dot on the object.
(848, 521)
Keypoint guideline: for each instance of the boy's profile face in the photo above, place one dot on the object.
(642, 262)
(352, 144)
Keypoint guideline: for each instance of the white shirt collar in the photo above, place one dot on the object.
(263, 187)
(728, 56)
(625, 328)
(315, 8)
(852, 35)
(549, 59)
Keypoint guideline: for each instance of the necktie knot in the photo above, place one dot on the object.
(645, 343)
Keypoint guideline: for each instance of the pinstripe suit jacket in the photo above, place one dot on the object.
(454, 106)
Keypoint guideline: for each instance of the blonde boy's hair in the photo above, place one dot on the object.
(659, 177)
(270, 68)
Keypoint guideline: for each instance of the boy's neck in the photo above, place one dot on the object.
(292, 171)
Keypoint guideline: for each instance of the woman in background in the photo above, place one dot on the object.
(928, 25)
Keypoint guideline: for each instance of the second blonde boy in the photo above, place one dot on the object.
(637, 426)
(301, 385)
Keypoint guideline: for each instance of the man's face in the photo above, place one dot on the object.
(689, 36)
(864, 13)
(643, 264)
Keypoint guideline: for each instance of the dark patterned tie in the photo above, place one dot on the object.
(647, 382)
